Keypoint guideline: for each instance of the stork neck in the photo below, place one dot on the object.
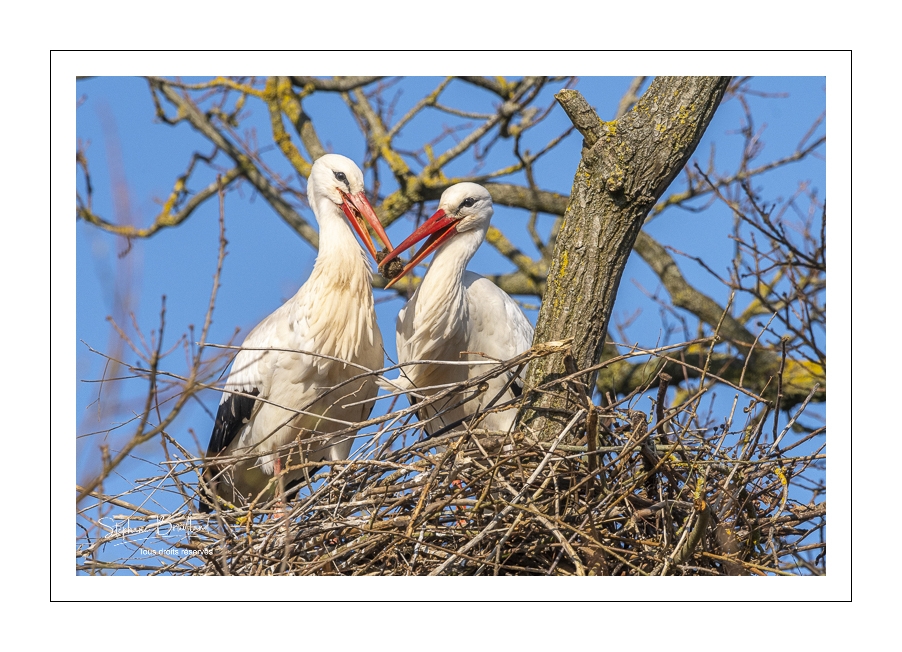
(336, 239)
(442, 300)
(451, 259)
(334, 307)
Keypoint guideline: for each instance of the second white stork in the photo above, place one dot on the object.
(289, 382)
(456, 315)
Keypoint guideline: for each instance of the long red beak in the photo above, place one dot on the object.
(437, 228)
(356, 207)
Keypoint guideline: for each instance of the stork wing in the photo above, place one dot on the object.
(498, 326)
(236, 409)
(251, 375)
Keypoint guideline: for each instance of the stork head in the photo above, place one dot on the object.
(463, 207)
(338, 179)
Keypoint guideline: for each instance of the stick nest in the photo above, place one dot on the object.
(615, 492)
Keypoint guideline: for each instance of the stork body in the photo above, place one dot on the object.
(457, 315)
(278, 391)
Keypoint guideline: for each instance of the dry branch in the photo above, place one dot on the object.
(632, 502)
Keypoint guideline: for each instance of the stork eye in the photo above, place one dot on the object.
(343, 178)
(466, 203)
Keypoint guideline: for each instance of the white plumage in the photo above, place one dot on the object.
(455, 311)
(272, 378)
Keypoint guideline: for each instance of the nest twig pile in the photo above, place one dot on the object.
(617, 492)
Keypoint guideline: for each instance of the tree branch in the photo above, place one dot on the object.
(248, 169)
(626, 166)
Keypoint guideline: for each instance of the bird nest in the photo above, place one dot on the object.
(613, 491)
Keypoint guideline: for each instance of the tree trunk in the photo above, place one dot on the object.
(626, 166)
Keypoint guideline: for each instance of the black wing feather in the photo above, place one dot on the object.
(516, 387)
(233, 413)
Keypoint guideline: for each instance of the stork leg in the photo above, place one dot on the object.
(280, 488)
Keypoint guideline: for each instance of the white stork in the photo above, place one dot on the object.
(455, 311)
(278, 392)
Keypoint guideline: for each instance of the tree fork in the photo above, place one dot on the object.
(625, 167)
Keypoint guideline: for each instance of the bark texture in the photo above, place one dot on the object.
(626, 166)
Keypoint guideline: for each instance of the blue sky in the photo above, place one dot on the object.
(267, 261)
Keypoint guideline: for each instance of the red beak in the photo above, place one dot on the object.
(437, 228)
(356, 207)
